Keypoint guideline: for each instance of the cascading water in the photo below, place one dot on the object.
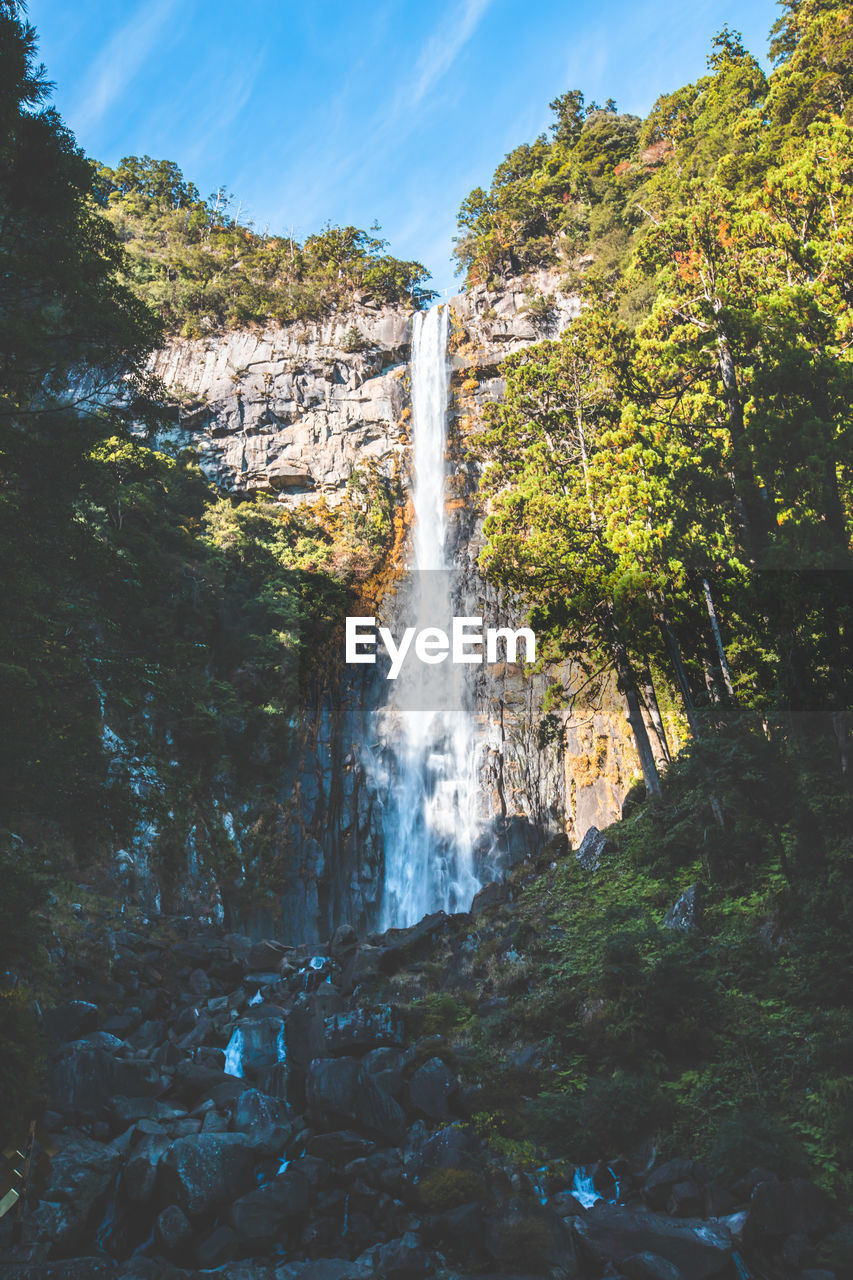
(431, 817)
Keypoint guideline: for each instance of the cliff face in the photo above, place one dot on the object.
(290, 412)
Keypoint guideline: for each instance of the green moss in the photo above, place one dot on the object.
(447, 1188)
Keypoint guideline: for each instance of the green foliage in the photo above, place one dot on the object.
(442, 1012)
(551, 200)
(22, 1065)
(731, 1043)
(23, 893)
(526, 1241)
(614, 1114)
(446, 1188)
(751, 1139)
(201, 269)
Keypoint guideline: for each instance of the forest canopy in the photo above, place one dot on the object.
(201, 269)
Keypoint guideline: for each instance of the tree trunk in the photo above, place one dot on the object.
(628, 686)
(718, 639)
(674, 652)
(663, 755)
(751, 508)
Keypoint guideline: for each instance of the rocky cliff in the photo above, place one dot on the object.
(291, 412)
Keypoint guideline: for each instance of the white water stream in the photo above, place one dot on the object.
(431, 823)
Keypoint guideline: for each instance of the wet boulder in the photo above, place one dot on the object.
(494, 894)
(779, 1209)
(89, 1072)
(451, 1148)
(340, 1089)
(361, 1029)
(343, 943)
(686, 1200)
(263, 1119)
(263, 1215)
(432, 1090)
(202, 1172)
(324, 1269)
(140, 1172)
(398, 945)
(266, 956)
(359, 966)
(81, 1174)
(402, 1259)
(608, 1234)
(385, 1067)
(661, 1181)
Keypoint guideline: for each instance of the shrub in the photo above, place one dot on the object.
(607, 1118)
(747, 1139)
(447, 1188)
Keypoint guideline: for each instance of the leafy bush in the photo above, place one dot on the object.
(447, 1188)
(201, 269)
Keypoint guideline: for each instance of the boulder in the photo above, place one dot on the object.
(385, 1067)
(70, 1021)
(173, 1230)
(660, 1182)
(398, 944)
(402, 1259)
(323, 1269)
(451, 1148)
(686, 913)
(686, 1200)
(788, 1208)
(220, 1247)
(202, 1172)
(592, 848)
(81, 1174)
(608, 1234)
(263, 1119)
(88, 1073)
(344, 941)
(362, 1029)
(432, 1089)
(340, 1089)
(125, 1111)
(262, 1215)
(339, 1148)
(456, 1232)
(648, 1266)
(491, 895)
(199, 984)
(267, 955)
(360, 965)
(140, 1171)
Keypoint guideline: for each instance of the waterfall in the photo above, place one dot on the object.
(584, 1189)
(234, 1055)
(429, 725)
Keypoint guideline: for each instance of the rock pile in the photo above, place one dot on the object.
(271, 1113)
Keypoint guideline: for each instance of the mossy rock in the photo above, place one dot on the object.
(448, 1188)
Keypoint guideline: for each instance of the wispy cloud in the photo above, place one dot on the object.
(442, 50)
(121, 58)
(397, 117)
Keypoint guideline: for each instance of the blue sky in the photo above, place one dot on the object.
(355, 112)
